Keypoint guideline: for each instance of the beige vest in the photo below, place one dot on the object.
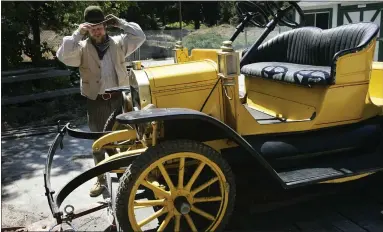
(90, 67)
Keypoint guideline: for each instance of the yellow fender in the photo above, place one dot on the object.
(122, 155)
(116, 136)
(376, 84)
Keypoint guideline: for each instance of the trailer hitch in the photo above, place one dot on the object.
(70, 215)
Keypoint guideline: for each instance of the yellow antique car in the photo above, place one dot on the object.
(310, 111)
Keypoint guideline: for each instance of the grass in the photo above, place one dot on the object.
(214, 36)
(188, 26)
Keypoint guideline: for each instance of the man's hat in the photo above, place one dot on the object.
(94, 14)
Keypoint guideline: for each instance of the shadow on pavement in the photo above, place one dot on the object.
(24, 159)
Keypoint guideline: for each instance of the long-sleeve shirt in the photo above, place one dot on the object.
(70, 51)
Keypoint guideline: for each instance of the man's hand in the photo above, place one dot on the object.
(84, 28)
(112, 20)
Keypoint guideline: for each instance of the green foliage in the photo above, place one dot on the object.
(203, 40)
(189, 26)
(14, 32)
(20, 19)
(227, 11)
(17, 19)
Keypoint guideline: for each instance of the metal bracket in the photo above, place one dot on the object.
(227, 81)
(59, 130)
(71, 215)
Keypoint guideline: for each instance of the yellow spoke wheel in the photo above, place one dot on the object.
(176, 186)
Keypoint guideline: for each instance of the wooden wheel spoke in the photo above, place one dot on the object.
(190, 222)
(165, 222)
(207, 199)
(149, 203)
(166, 177)
(177, 223)
(181, 171)
(203, 186)
(195, 175)
(152, 217)
(155, 189)
(202, 213)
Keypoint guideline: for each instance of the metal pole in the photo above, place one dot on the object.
(245, 38)
(180, 17)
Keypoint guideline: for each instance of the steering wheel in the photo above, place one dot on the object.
(248, 8)
(283, 8)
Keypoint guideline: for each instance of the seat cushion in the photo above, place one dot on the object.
(312, 45)
(307, 55)
(307, 75)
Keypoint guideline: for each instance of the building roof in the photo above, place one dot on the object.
(322, 4)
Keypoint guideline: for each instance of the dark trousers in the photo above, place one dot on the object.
(98, 112)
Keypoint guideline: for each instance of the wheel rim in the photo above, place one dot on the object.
(180, 199)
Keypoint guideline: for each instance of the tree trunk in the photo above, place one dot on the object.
(197, 24)
(35, 25)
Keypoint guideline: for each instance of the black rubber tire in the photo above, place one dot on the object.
(108, 127)
(112, 119)
(151, 155)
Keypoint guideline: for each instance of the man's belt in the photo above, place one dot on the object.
(107, 96)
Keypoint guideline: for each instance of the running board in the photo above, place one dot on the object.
(332, 168)
(264, 118)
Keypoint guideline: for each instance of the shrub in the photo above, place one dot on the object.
(206, 40)
(176, 25)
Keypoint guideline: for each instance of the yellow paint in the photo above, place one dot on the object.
(202, 54)
(282, 107)
(179, 74)
(115, 136)
(346, 179)
(376, 84)
(187, 85)
(182, 55)
(188, 190)
(193, 99)
(342, 103)
(122, 155)
(355, 67)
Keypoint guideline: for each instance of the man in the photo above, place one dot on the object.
(101, 62)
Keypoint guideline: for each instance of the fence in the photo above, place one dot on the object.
(8, 77)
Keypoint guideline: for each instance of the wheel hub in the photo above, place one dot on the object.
(182, 205)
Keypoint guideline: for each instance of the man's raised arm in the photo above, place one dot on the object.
(132, 38)
(70, 50)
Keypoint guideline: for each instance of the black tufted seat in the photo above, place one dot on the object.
(307, 55)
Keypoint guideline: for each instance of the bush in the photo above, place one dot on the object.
(176, 25)
(206, 40)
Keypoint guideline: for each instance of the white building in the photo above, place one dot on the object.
(329, 14)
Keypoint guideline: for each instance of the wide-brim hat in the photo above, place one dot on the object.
(94, 15)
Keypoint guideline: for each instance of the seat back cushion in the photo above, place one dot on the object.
(312, 45)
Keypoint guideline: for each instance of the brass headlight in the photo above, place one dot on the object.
(140, 89)
(228, 63)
